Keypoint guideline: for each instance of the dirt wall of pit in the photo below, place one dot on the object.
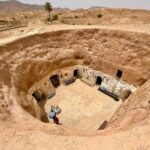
(28, 60)
(33, 56)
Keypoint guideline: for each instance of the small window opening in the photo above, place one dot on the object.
(55, 81)
(119, 74)
(98, 80)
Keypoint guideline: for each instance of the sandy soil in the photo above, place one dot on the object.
(83, 107)
(134, 139)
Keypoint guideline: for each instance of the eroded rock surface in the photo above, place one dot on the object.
(28, 60)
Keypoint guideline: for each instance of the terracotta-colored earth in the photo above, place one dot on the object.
(29, 54)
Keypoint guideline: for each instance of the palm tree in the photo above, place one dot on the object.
(48, 7)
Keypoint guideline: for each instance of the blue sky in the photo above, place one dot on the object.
(141, 4)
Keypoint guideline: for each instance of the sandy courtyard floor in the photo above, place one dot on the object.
(83, 107)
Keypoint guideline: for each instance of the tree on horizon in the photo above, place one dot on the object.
(48, 8)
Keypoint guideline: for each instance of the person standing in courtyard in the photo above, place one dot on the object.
(53, 114)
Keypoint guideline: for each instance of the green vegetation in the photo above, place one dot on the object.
(48, 8)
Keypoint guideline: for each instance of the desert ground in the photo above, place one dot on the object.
(119, 39)
(84, 110)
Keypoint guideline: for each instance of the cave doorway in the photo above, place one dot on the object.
(98, 80)
(119, 74)
(37, 96)
(76, 73)
(55, 80)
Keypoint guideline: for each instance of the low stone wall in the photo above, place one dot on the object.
(13, 25)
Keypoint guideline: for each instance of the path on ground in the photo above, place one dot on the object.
(14, 34)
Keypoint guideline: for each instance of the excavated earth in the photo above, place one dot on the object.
(28, 60)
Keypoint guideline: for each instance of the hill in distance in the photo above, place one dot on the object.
(14, 5)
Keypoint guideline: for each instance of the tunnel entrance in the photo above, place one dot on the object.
(37, 96)
(76, 73)
(55, 81)
(98, 80)
(119, 74)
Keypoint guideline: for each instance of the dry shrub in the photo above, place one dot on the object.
(99, 15)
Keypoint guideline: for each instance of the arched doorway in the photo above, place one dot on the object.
(76, 73)
(98, 80)
(55, 80)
